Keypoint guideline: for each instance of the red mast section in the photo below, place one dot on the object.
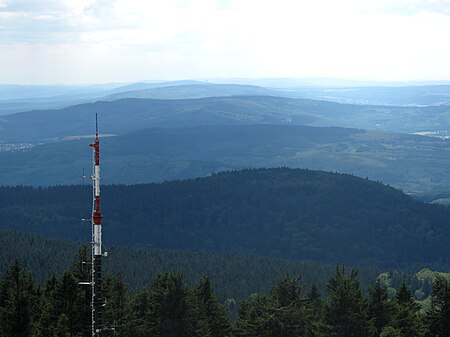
(96, 214)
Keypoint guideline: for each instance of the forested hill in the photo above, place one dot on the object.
(301, 214)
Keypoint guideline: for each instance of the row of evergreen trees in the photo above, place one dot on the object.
(169, 307)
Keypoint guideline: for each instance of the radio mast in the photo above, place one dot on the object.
(97, 302)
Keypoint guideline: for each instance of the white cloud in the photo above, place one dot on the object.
(412, 7)
(112, 40)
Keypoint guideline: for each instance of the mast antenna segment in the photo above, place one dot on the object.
(96, 125)
(97, 302)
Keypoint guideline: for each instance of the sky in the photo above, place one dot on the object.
(106, 41)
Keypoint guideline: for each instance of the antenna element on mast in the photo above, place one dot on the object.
(97, 302)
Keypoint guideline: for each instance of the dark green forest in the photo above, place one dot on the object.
(167, 306)
(289, 213)
(236, 275)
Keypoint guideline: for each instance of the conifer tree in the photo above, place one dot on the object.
(62, 327)
(115, 293)
(254, 317)
(138, 315)
(283, 313)
(346, 314)
(438, 315)
(288, 307)
(81, 271)
(47, 314)
(68, 304)
(315, 299)
(380, 309)
(208, 318)
(168, 305)
(161, 310)
(17, 302)
(316, 304)
(406, 319)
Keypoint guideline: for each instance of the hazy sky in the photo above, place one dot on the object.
(94, 41)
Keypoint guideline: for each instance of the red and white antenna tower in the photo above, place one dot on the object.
(97, 302)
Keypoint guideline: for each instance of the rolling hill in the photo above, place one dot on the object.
(126, 115)
(412, 163)
(299, 214)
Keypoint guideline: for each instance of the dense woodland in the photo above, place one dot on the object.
(235, 275)
(167, 307)
(289, 213)
(284, 215)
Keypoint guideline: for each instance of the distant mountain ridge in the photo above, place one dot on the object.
(193, 91)
(19, 98)
(126, 115)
